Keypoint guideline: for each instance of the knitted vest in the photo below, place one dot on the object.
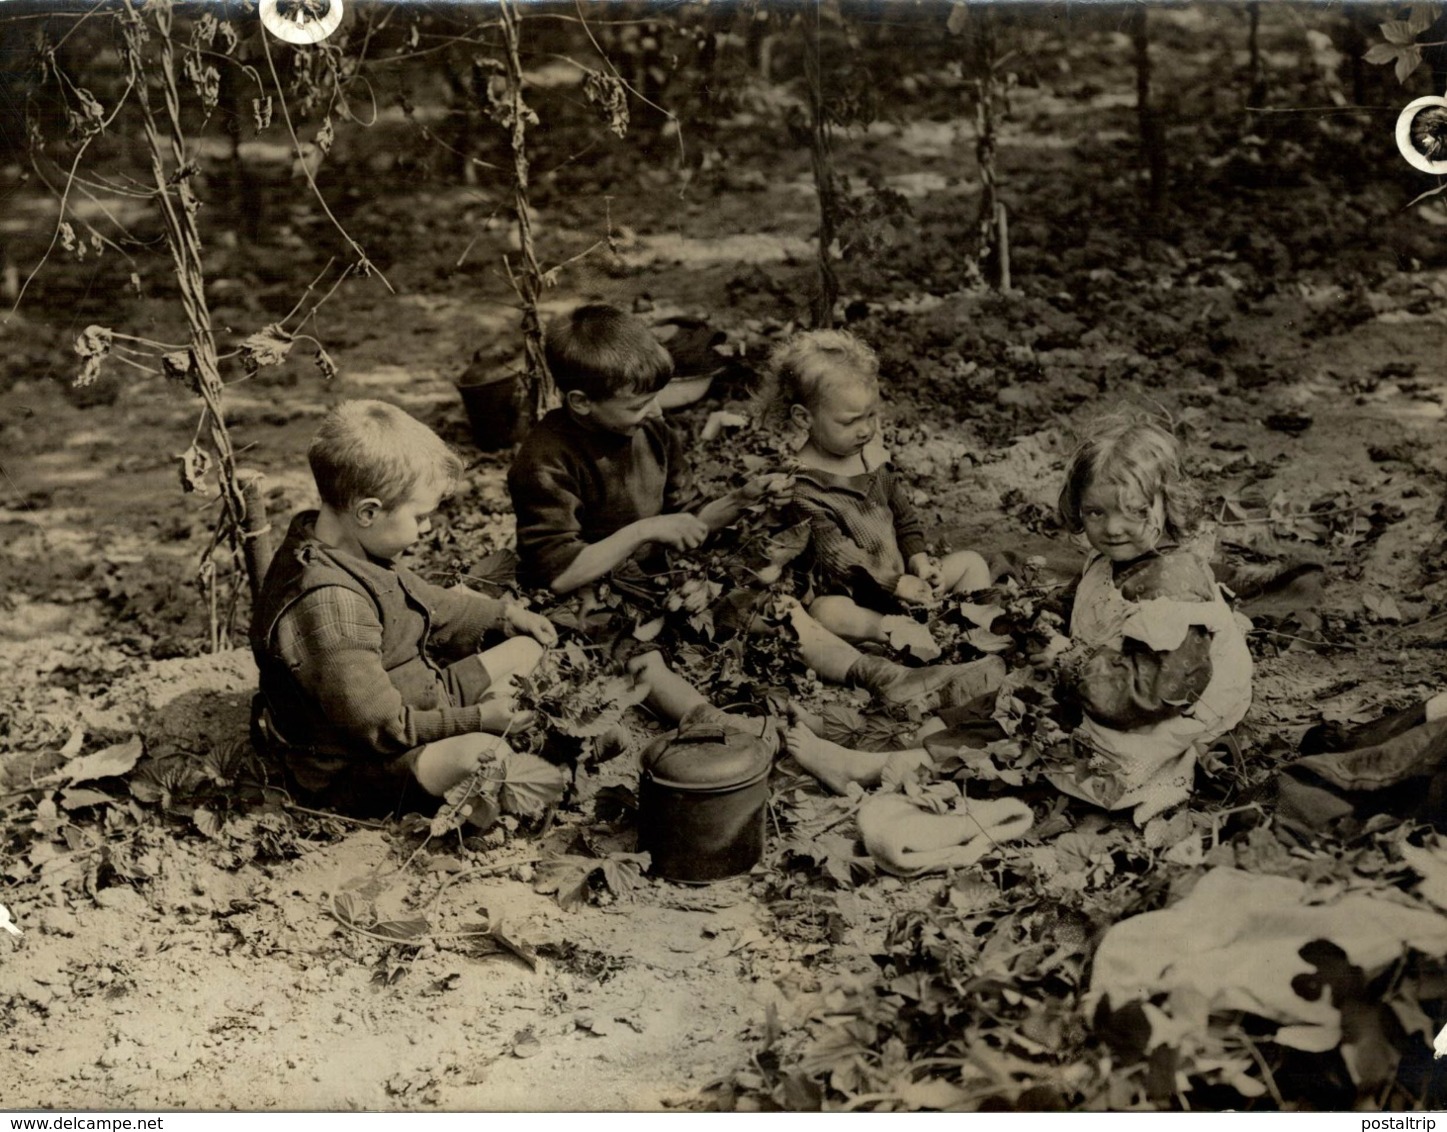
(302, 565)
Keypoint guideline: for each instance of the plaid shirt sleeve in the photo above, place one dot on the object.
(331, 640)
(908, 526)
(460, 617)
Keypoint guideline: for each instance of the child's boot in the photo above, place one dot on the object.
(950, 683)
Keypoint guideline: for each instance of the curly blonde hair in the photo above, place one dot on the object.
(800, 368)
(1139, 454)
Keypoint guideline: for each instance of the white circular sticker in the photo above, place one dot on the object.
(301, 21)
(1422, 133)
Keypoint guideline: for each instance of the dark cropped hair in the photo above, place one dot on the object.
(1141, 456)
(370, 449)
(603, 353)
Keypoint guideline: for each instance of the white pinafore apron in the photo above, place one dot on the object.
(1153, 767)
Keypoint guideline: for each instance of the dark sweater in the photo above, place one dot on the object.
(573, 485)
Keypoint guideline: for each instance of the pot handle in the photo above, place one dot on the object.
(702, 733)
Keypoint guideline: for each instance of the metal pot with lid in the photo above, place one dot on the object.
(702, 794)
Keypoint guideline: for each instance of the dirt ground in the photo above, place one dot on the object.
(1295, 332)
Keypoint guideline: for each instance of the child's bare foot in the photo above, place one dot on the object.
(835, 766)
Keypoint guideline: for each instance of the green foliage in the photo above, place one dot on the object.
(573, 880)
(1399, 44)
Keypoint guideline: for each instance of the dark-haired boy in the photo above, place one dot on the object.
(351, 700)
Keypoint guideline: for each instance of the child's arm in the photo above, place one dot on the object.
(596, 559)
(909, 532)
(462, 617)
(331, 640)
(726, 509)
(549, 509)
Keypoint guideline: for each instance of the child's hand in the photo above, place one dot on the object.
(770, 484)
(1053, 650)
(442, 765)
(518, 620)
(927, 566)
(681, 531)
(912, 588)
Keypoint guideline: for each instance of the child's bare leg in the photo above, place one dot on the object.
(517, 656)
(963, 572)
(846, 617)
(851, 621)
(932, 726)
(442, 764)
(670, 696)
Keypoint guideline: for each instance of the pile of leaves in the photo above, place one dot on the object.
(974, 996)
(105, 817)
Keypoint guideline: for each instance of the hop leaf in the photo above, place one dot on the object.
(269, 346)
(180, 367)
(93, 346)
(325, 364)
(607, 92)
(113, 761)
(527, 785)
(195, 462)
(565, 879)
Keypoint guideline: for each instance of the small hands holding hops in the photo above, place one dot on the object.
(519, 620)
(726, 509)
(921, 585)
(768, 485)
(914, 589)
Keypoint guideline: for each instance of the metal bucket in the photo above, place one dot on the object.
(490, 398)
(701, 800)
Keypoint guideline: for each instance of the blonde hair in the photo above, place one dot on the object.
(800, 368)
(1138, 454)
(370, 449)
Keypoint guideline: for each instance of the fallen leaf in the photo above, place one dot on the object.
(108, 763)
(401, 930)
(565, 878)
(73, 799)
(529, 784)
(1431, 865)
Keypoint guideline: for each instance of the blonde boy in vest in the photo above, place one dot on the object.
(351, 697)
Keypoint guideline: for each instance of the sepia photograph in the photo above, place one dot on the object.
(723, 556)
